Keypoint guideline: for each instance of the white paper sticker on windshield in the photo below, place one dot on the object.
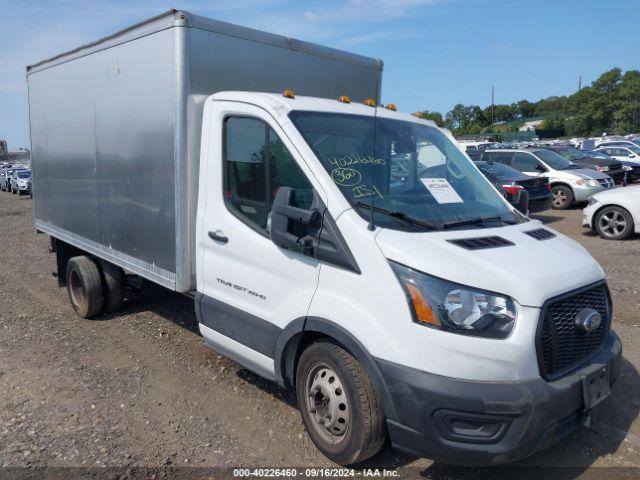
(441, 190)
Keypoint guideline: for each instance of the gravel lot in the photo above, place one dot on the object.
(139, 390)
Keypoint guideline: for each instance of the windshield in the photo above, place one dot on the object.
(24, 174)
(554, 160)
(412, 173)
(570, 153)
(635, 150)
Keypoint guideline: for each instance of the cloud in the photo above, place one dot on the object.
(372, 37)
(368, 10)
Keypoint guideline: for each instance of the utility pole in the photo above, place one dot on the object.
(580, 83)
(492, 97)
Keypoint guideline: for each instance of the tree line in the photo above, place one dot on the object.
(609, 104)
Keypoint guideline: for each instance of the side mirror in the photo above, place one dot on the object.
(285, 214)
(631, 155)
(540, 168)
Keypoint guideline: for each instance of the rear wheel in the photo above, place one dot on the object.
(562, 197)
(338, 405)
(84, 286)
(614, 223)
(113, 281)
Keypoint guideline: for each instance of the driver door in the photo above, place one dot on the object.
(250, 288)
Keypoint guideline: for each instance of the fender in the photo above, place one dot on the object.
(285, 354)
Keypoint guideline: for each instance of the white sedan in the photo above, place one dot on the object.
(614, 214)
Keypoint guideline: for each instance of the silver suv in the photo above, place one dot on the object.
(570, 183)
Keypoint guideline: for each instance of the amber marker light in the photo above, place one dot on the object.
(424, 314)
(369, 102)
(344, 99)
(288, 94)
(391, 106)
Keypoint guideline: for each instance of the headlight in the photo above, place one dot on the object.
(455, 308)
(627, 168)
(602, 168)
(587, 183)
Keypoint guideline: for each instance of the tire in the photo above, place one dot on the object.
(113, 283)
(562, 197)
(84, 286)
(345, 400)
(614, 223)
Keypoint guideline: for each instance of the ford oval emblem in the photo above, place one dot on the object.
(587, 320)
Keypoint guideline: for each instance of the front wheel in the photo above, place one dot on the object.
(614, 223)
(562, 197)
(338, 404)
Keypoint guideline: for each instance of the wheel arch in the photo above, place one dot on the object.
(301, 332)
(597, 212)
(560, 183)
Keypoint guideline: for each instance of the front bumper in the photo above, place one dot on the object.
(485, 423)
(582, 194)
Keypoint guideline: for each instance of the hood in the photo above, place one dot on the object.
(530, 271)
(629, 194)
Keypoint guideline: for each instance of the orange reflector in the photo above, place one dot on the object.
(370, 102)
(423, 311)
(288, 94)
(344, 99)
(391, 106)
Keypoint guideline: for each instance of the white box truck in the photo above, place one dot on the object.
(335, 246)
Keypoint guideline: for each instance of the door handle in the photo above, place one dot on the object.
(218, 236)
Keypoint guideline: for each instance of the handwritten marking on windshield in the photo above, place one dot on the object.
(352, 159)
(347, 177)
(364, 191)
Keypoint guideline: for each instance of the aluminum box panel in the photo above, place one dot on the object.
(116, 125)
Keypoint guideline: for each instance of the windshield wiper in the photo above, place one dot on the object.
(474, 221)
(399, 215)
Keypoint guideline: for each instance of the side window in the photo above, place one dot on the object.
(524, 162)
(257, 163)
(285, 172)
(498, 157)
(245, 170)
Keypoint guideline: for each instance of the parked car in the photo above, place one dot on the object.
(5, 180)
(569, 182)
(512, 182)
(615, 214)
(618, 143)
(475, 149)
(20, 181)
(630, 153)
(632, 169)
(611, 167)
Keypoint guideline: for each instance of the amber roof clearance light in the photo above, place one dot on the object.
(369, 102)
(288, 94)
(344, 99)
(391, 106)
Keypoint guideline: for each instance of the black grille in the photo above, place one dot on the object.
(541, 234)
(606, 182)
(480, 243)
(561, 346)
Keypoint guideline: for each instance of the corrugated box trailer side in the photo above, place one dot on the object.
(115, 130)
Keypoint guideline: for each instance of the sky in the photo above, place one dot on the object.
(436, 53)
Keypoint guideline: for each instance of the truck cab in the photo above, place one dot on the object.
(354, 253)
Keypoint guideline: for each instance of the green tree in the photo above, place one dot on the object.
(434, 116)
